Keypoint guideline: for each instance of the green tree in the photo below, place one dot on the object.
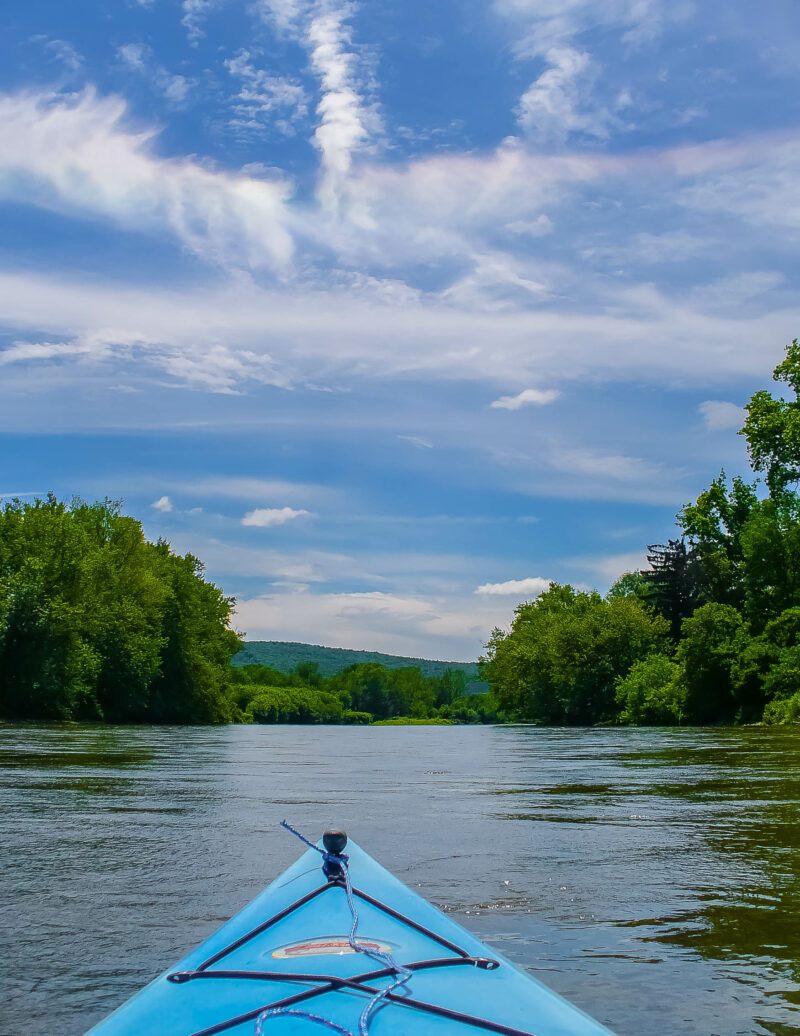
(772, 427)
(192, 683)
(96, 622)
(711, 641)
(652, 693)
(451, 685)
(368, 688)
(631, 584)
(309, 673)
(294, 705)
(771, 551)
(46, 671)
(559, 662)
(673, 581)
(779, 648)
(784, 710)
(747, 549)
(714, 526)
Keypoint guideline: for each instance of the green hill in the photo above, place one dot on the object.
(285, 655)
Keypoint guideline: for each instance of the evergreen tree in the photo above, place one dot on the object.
(673, 581)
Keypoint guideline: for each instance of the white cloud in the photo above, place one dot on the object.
(281, 14)
(590, 461)
(538, 397)
(216, 337)
(498, 280)
(218, 369)
(133, 55)
(163, 504)
(720, 416)
(501, 317)
(64, 52)
(545, 23)
(23, 352)
(73, 154)
(234, 560)
(764, 194)
(739, 289)
(264, 517)
(530, 587)
(671, 246)
(264, 100)
(450, 627)
(194, 15)
(139, 58)
(345, 122)
(550, 468)
(554, 106)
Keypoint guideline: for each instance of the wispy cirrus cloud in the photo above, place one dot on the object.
(215, 338)
(139, 58)
(762, 194)
(265, 101)
(62, 51)
(545, 23)
(558, 103)
(73, 153)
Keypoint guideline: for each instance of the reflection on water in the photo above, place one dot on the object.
(649, 876)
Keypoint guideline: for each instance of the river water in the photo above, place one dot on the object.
(650, 876)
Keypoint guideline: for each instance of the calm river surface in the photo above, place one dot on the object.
(651, 876)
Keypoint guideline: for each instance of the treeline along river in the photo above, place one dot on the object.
(649, 875)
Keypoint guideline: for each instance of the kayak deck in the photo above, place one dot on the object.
(290, 948)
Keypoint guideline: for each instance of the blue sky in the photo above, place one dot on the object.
(391, 313)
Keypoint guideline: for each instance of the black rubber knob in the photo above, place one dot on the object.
(334, 841)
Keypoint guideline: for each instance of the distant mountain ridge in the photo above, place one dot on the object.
(285, 655)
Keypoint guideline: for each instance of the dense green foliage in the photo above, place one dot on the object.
(561, 661)
(652, 693)
(286, 656)
(98, 623)
(360, 694)
(712, 631)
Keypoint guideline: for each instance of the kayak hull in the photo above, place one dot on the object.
(216, 983)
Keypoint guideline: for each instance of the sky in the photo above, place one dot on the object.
(392, 313)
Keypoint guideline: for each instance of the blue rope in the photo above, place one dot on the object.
(375, 1002)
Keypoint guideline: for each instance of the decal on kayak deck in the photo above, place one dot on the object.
(329, 944)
